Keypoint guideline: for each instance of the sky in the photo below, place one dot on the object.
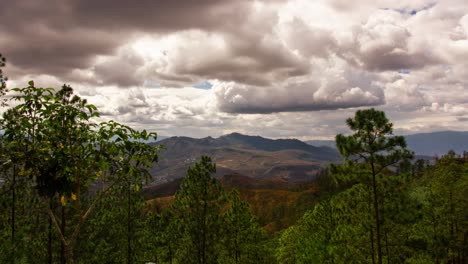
(275, 68)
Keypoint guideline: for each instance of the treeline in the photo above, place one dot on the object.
(70, 192)
(57, 168)
(424, 218)
(377, 207)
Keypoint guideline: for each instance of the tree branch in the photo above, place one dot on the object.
(56, 225)
(88, 212)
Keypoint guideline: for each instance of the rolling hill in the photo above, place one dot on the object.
(277, 203)
(254, 156)
(287, 159)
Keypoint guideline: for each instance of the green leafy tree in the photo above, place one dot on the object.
(19, 125)
(57, 145)
(373, 144)
(29, 242)
(3, 79)
(129, 157)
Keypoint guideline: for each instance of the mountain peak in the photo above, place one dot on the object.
(236, 135)
(253, 156)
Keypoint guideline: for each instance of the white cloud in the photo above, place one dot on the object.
(331, 86)
(298, 67)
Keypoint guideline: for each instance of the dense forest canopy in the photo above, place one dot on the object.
(71, 193)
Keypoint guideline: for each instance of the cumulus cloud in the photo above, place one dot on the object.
(69, 34)
(307, 40)
(402, 95)
(327, 88)
(281, 62)
(384, 43)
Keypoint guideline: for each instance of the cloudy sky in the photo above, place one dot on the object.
(276, 68)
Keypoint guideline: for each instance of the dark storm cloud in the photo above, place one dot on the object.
(262, 58)
(41, 50)
(147, 15)
(250, 63)
(293, 106)
(54, 37)
(156, 14)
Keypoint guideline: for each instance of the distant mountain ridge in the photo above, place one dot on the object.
(289, 160)
(322, 143)
(266, 144)
(253, 156)
(428, 144)
(438, 143)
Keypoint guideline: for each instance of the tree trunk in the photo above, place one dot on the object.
(203, 252)
(170, 255)
(204, 234)
(387, 251)
(49, 244)
(69, 254)
(372, 245)
(13, 214)
(371, 232)
(377, 218)
(385, 230)
(62, 243)
(129, 228)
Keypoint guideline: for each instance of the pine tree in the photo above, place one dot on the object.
(199, 204)
(243, 236)
(373, 144)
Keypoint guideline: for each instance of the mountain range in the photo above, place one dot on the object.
(288, 160)
(253, 156)
(276, 177)
(424, 144)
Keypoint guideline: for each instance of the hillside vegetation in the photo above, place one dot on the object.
(277, 204)
(77, 191)
(253, 156)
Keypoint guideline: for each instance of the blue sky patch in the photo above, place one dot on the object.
(412, 12)
(206, 85)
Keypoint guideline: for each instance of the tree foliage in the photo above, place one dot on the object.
(207, 225)
(421, 207)
(373, 144)
(70, 192)
(3, 79)
(243, 238)
(198, 203)
(51, 139)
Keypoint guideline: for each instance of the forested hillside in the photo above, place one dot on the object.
(71, 192)
(277, 204)
(379, 208)
(253, 156)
